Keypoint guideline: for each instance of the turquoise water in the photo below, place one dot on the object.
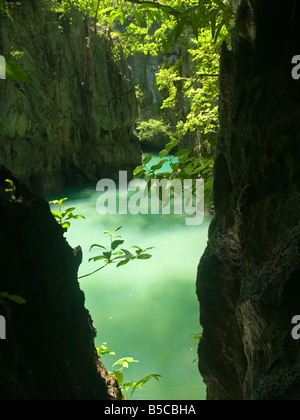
(147, 309)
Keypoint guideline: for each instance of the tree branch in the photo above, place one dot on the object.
(156, 5)
(96, 15)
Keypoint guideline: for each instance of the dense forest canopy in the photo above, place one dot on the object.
(188, 116)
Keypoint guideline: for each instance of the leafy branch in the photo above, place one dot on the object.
(10, 188)
(112, 255)
(63, 217)
(216, 14)
(119, 373)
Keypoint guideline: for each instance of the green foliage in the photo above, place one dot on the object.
(13, 298)
(159, 25)
(11, 189)
(63, 217)
(151, 128)
(197, 336)
(151, 25)
(127, 387)
(114, 255)
(14, 71)
(102, 350)
(200, 92)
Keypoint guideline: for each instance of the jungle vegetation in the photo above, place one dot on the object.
(188, 117)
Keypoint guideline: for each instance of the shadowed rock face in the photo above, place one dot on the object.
(248, 278)
(49, 351)
(73, 123)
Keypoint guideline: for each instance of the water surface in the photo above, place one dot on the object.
(147, 309)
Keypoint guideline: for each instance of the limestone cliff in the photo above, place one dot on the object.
(73, 123)
(49, 351)
(248, 279)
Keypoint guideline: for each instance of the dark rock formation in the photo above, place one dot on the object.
(248, 280)
(73, 123)
(49, 351)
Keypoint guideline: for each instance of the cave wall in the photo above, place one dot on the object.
(73, 123)
(248, 278)
(49, 351)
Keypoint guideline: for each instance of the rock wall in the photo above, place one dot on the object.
(248, 278)
(49, 351)
(73, 123)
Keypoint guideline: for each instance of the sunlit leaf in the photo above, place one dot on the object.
(143, 381)
(58, 215)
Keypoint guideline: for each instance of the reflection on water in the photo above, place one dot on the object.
(146, 309)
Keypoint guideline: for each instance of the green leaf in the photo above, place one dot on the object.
(218, 29)
(15, 72)
(107, 255)
(124, 361)
(118, 228)
(196, 336)
(102, 350)
(197, 170)
(116, 14)
(107, 9)
(119, 376)
(127, 253)
(169, 146)
(163, 153)
(118, 253)
(195, 24)
(138, 17)
(128, 385)
(66, 225)
(76, 216)
(183, 152)
(98, 258)
(13, 298)
(143, 381)
(223, 6)
(159, 165)
(175, 33)
(123, 262)
(189, 169)
(69, 211)
(99, 246)
(116, 243)
(183, 155)
(57, 214)
(147, 159)
(138, 170)
(59, 202)
(10, 182)
(144, 257)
